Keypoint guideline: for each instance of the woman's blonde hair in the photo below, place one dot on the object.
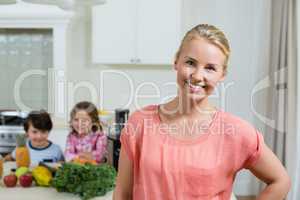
(211, 34)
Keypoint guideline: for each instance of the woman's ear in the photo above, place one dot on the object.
(175, 65)
(176, 61)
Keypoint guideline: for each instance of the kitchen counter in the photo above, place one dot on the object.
(37, 193)
(41, 193)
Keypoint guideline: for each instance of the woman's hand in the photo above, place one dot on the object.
(270, 170)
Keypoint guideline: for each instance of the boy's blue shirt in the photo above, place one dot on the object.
(50, 153)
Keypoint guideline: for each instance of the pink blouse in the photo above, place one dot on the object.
(93, 142)
(204, 168)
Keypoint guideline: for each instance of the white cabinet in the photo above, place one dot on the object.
(136, 31)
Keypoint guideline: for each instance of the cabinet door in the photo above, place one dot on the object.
(158, 31)
(113, 32)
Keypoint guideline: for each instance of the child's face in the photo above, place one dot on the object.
(199, 69)
(37, 137)
(82, 122)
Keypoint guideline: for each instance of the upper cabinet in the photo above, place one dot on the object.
(136, 31)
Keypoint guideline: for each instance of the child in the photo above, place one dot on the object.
(187, 148)
(37, 126)
(86, 140)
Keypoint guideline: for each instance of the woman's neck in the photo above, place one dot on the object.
(183, 108)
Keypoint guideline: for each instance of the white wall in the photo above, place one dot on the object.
(59, 136)
(246, 23)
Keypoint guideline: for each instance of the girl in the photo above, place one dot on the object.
(86, 140)
(187, 149)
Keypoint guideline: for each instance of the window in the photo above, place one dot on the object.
(24, 53)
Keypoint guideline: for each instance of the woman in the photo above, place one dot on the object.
(187, 148)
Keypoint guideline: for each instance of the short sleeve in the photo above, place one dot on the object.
(130, 135)
(254, 148)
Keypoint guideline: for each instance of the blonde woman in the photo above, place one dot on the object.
(187, 149)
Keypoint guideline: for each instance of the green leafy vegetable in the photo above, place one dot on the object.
(87, 180)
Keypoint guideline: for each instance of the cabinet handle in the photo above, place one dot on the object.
(135, 60)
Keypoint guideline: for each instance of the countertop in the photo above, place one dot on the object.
(37, 193)
(41, 193)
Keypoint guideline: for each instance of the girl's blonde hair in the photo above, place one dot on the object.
(92, 111)
(211, 34)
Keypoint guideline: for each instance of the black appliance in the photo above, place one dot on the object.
(114, 144)
(121, 117)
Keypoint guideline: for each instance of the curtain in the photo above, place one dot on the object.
(282, 136)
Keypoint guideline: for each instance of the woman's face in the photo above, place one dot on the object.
(82, 122)
(199, 66)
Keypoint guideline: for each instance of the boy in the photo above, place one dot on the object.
(37, 126)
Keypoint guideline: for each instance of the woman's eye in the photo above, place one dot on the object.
(190, 62)
(211, 68)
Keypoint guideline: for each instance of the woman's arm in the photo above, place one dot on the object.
(124, 186)
(270, 170)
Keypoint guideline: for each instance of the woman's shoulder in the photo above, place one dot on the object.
(228, 117)
(236, 124)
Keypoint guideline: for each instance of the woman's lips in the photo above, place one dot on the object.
(195, 88)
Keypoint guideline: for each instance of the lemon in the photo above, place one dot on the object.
(42, 176)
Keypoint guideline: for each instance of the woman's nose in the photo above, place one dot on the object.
(198, 74)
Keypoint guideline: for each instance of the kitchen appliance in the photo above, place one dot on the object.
(114, 144)
(121, 117)
(11, 124)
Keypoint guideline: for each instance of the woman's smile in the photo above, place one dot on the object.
(195, 87)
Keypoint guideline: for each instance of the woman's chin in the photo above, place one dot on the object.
(196, 97)
(193, 97)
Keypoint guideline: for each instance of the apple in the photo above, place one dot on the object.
(10, 180)
(25, 180)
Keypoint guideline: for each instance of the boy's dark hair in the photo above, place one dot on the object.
(38, 119)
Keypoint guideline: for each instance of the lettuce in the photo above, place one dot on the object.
(87, 180)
